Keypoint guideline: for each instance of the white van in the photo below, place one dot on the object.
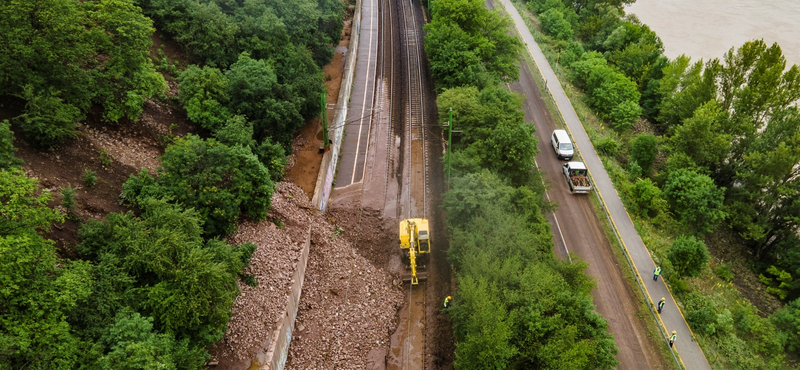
(562, 144)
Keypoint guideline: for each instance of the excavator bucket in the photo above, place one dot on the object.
(421, 276)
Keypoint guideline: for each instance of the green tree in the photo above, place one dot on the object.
(483, 326)
(7, 149)
(787, 320)
(764, 208)
(37, 291)
(554, 24)
(128, 78)
(509, 150)
(685, 88)
(219, 181)
(202, 91)
(254, 92)
(134, 344)
(185, 283)
(47, 121)
(688, 255)
(648, 198)
(23, 206)
(695, 199)
(643, 151)
(701, 138)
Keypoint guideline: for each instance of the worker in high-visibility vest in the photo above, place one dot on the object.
(661, 304)
(656, 273)
(447, 301)
(672, 339)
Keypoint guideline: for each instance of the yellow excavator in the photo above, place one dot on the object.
(415, 242)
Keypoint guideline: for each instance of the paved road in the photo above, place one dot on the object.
(689, 351)
(360, 114)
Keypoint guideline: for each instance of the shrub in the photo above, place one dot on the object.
(219, 181)
(688, 255)
(7, 149)
(701, 313)
(68, 197)
(47, 121)
(607, 146)
(554, 24)
(648, 198)
(723, 271)
(105, 158)
(644, 151)
(695, 199)
(89, 177)
(787, 320)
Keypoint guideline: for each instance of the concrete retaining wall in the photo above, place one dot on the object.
(278, 351)
(322, 190)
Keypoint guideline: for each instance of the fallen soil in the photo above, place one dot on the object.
(350, 298)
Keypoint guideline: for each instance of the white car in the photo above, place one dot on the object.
(562, 144)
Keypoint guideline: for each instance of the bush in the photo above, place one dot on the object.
(701, 313)
(648, 198)
(695, 199)
(219, 181)
(68, 197)
(554, 24)
(644, 151)
(89, 177)
(7, 149)
(47, 121)
(202, 91)
(723, 271)
(607, 146)
(787, 320)
(688, 255)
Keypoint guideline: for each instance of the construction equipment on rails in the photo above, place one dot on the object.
(415, 242)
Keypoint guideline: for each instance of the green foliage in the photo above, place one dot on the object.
(688, 255)
(468, 44)
(643, 151)
(89, 177)
(22, 210)
(185, 283)
(613, 95)
(701, 313)
(607, 145)
(202, 91)
(787, 320)
(7, 149)
(539, 309)
(47, 121)
(68, 197)
(648, 198)
(723, 271)
(128, 77)
(219, 181)
(105, 158)
(554, 24)
(37, 291)
(273, 157)
(134, 344)
(236, 131)
(88, 52)
(778, 283)
(254, 92)
(701, 138)
(695, 199)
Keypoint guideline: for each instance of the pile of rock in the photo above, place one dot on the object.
(348, 307)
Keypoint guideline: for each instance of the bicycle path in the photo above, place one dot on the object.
(671, 319)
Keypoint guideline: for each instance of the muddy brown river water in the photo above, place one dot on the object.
(708, 28)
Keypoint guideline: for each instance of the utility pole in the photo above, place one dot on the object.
(324, 117)
(449, 143)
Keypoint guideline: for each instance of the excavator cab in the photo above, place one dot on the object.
(415, 243)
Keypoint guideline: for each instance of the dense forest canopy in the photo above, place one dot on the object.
(152, 287)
